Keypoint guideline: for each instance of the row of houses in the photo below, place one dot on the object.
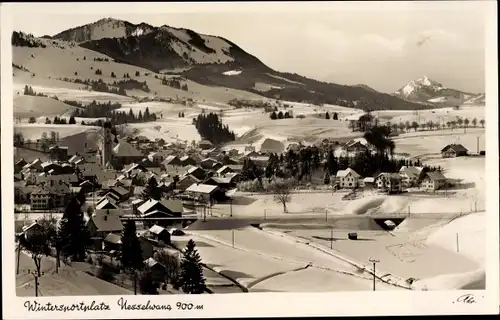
(407, 177)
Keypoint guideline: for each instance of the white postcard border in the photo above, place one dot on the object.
(259, 304)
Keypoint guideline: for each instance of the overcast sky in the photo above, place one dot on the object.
(384, 46)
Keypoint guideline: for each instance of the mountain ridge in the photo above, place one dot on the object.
(217, 62)
(425, 90)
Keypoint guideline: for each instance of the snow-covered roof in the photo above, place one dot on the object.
(156, 229)
(344, 173)
(201, 188)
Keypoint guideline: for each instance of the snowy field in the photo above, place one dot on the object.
(67, 282)
(34, 131)
(289, 267)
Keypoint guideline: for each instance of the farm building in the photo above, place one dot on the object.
(454, 150)
(433, 181)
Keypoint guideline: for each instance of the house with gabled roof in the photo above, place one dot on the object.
(172, 160)
(433, 180)
(125, 153)
(160, 233)
(454, 150)
(186, 181)
(196, 172)
(187, 160)
(104, 222)
(106, 203)
(119, 194)
(207, 163)
(348, 178)
(389, 182)
(158, 270)
(223, 170)
(410, 175)
(205, 144)
(205, 191)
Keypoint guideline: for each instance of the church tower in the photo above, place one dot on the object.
(107, 144)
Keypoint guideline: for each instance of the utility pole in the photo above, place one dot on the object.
(374, 261)
(265, 214)
(231, 207)
(458, 247)
(326, 215)
(477, 144)
(232, 236)
(35, 275)
(331, 238)
(408, 211)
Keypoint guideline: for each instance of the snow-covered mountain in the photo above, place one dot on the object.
(425, 90)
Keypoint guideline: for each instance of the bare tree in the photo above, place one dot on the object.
(282, 192)
(37, 245)
(172, 266)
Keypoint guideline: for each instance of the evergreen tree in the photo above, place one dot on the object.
(146, 115)
(74, 235)
(273, 115)
(72, 120)
(280, 115)
(327, 115)
(191, 277)
(152, 191)
(131, 255)
(335, 116)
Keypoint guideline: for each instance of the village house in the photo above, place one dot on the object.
(124, 153)
(112, 242)
(205, 144)
(208, 193)
(186, 181)
(160, 210)
(207, 163)
(389, 182)
(355, 146)
(196, 172)
(160, 234)
(18, 165)
(46, 197)
(104, 222)
(171, 161)
(410, 176)
(348, 178)
(223, 170)
(187, 160)
(157, 269)
(433, 180)
(156, 158)
(119, 194)
(225, 182)
(32, 230)
(175, 170)
(454, 150)
(107, 203)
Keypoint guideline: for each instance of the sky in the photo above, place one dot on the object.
(382, 45)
